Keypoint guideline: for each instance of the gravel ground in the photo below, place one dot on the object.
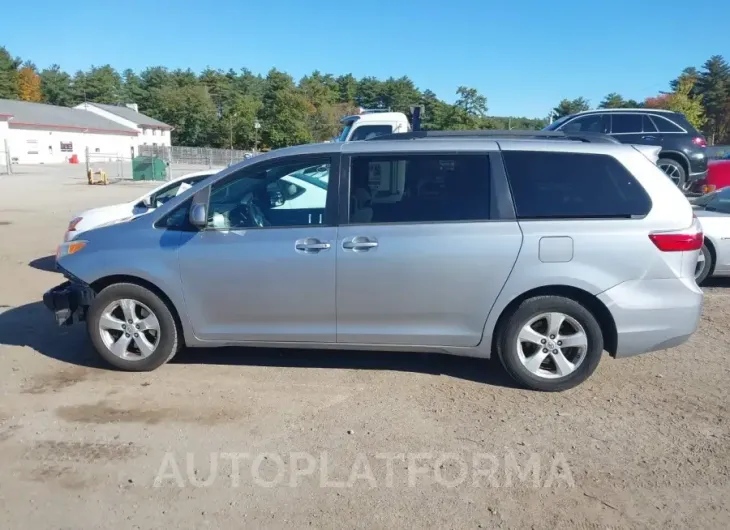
(240, 438)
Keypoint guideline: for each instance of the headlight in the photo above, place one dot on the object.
(71, 247)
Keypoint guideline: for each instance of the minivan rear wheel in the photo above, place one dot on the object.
(550, 343)
(132, 328)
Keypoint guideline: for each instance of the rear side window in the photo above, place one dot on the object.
(626, 123)
(419, 188)
(550, 185)
(664, 125)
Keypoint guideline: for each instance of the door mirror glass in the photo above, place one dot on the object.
(198, 215)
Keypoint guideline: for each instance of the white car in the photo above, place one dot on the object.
(713, 212)
(97, 217)
(306, 189)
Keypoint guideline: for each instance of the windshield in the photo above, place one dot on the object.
(345, 132)
(557, 123)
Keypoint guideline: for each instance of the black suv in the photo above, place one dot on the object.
(683, 157)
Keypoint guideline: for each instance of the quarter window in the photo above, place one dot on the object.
(175, 189)
(665, 125)
(419, 188)
(626, 123)
(551, 185)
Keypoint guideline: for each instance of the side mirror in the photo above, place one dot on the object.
(198, 215)
(147, 201)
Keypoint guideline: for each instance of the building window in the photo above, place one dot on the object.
(32, 147)
(154, 132)
(67, 147)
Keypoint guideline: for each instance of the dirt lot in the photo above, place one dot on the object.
(252, 439)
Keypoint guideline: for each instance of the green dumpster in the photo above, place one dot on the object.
(148, 168)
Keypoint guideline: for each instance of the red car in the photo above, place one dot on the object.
(718, 176)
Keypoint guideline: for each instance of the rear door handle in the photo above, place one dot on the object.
(311, 245)
(359, 244)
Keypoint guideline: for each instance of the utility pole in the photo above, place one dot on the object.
(256, 127)
(232, 116)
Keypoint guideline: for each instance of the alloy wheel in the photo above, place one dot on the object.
(672, 172)
(129, 329)
(701, 264)
(552, 345)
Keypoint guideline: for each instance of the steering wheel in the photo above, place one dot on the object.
(256, 215)
(248, 213)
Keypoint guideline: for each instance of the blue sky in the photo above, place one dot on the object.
(523, 55)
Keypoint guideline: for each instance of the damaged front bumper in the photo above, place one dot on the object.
(69, 302)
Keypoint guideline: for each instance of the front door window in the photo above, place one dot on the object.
(287, 195)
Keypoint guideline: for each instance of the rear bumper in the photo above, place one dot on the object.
(653, 315)
(700, 175)
(69, 302)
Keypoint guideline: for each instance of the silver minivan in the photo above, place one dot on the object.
(543, 249)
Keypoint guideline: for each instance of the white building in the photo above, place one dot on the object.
(151, 131)
(37, 133)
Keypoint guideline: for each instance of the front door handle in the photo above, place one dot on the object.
(311, 245)
(359, 244)
(649, 137)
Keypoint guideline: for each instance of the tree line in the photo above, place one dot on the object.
(217, 108)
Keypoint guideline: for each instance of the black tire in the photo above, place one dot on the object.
(709, 264)
(169, 334)
(532, 307)
(675, 166)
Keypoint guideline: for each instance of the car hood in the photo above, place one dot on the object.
(121, 209)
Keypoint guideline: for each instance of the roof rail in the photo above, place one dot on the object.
(489, 133)
(626, 109)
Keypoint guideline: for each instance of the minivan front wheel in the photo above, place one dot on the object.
(550, 343)
(132, 328)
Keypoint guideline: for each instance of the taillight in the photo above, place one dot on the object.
(708, 188)
(677, 241)
(699, 141)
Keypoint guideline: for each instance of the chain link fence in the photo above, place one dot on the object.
(204, 157)
(178, 160)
